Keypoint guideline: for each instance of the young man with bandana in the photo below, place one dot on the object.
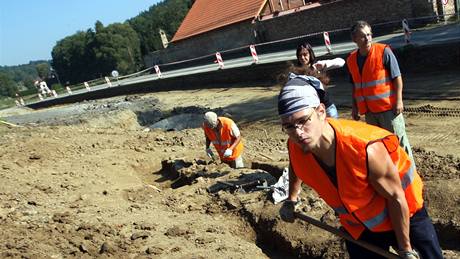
(360, 171)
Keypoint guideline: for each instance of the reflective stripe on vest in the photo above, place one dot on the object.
(408, 177)
(373, 83)
(373, 88)
(377, 220)
(355, 201)
(375, 97)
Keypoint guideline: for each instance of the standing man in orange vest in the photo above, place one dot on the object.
(360, 171)
(378, 85)
(223, 133)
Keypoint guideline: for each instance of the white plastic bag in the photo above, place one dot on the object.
(281, 188)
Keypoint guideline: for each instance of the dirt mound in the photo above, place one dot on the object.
(88, 180)
(432, 166)
(125, 119)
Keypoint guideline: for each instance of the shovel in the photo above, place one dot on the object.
(345, 235)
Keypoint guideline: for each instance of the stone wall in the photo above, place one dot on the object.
(236, 35)
(340, 14)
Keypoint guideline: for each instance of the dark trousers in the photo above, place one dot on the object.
(423, 238)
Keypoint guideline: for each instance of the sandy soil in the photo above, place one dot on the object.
(94, 180)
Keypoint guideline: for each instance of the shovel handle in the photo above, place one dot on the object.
(345, 235)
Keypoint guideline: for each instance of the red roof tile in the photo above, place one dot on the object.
(206, 15)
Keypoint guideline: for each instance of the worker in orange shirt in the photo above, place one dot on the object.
(223, 133)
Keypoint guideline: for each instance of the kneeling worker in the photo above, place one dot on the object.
(360, 171)
(225, 136)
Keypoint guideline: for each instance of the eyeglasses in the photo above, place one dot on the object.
(299, 124)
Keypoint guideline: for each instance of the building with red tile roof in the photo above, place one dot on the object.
(207, 15)
(219, 25)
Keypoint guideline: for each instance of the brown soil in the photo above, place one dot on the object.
(99, 183)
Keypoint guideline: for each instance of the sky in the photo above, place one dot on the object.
(29, 29)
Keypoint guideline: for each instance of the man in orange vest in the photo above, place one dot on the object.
(360, 171)
(377, 84)
(223, 133)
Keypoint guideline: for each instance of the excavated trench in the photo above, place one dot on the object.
(272, 235)
(180, 173)
(274, 240)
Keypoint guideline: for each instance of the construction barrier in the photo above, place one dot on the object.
(406, 29)
(87, 86)
(157, 70)
(107, 80)
(327, 42)
(254, 54)
(219, 60)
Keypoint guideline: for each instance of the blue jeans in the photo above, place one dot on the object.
(423, 238)
(332, 112)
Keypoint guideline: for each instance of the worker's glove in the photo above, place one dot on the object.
(209, 152)
(409, 254)
(287, 210)
(228, 152)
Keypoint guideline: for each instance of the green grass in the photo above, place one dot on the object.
(6, 102)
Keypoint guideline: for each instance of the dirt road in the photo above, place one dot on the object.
(95, 180)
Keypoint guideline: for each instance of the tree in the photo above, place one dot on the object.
(42, 70)
(117, 47)
(23, 74)
(72, 60)
(167, 15)
(7, 85)
(121, 46)
(98, 27)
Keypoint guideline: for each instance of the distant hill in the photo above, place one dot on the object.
(19, 78)
(23, 72)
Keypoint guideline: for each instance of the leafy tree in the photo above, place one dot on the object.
(167, 15)
(86, 55)
(117, 47)
(42, 70)
(98, 26)
(94, 53)
(7, 85)
(71, 60)
(121, 46)
(23, 74)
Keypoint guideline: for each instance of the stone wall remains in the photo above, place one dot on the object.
(332, 15)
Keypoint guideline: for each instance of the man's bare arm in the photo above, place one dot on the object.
(399, 106)
(294, 185)
(384, 177)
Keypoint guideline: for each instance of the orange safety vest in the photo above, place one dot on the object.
(373, 89)
(224, 140)
(355, 201)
